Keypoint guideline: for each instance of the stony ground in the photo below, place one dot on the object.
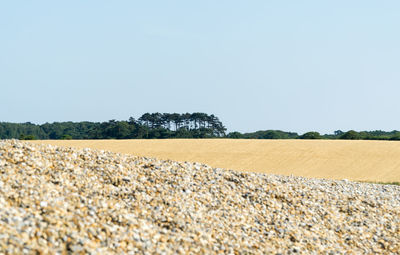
(64, 200)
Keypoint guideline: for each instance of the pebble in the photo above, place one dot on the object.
(62, 200)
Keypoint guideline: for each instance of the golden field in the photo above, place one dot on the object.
(332, 159)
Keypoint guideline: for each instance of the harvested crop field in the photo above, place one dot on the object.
(66, 200)
(332, 159)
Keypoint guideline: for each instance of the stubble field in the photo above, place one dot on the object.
(354, 160)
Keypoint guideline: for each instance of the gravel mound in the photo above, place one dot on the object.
(65, 200)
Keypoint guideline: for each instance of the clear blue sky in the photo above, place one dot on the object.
(289, 65)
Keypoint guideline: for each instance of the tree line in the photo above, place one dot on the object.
(166, 125)
(148, 126)
(349, 135)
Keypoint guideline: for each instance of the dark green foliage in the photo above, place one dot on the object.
(338, 132)
(66, 137)
(266, 134)
(13, 130)
(311, 135)
(351, 135)
(276, 134)
(395, 137)
(200, 123)
(27, 137)
(148, 126)
(166, 125)
(234, 135)
(370, 135)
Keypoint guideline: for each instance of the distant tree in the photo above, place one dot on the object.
(27, 137)
(165, 125)
(350, 135)
(183, 133)
(395, 137)
(145, 119)
(119, 130)
(157, 120)
(311, 135)
(338, 132)
(234, 135)
(176, 119)
(66, 137)
(187, 120)
(30, 137)
(132, 120)
(166, 119)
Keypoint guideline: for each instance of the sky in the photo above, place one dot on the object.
(289, 65)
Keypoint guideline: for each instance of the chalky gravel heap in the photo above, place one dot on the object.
(63, 200)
